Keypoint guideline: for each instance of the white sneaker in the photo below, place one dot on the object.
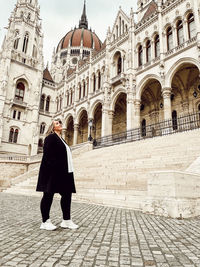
(48, 225)
(68, 224)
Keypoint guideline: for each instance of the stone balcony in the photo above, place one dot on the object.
(19, 103)
(120, 78)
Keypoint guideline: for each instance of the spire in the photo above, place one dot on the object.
(83, 23)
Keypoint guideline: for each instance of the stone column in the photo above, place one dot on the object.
(166, 93)
(136, 122)
(130, 111)
(76, 126)
(107, 117)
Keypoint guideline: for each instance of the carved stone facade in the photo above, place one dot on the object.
(146, 71)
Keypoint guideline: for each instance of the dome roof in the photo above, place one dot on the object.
(81, 36)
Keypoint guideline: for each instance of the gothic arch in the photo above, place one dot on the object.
(79, 113)
(170, 74)
(144, 81)
(115, 97)
(23, 78)
(93, 107)
(67, 118)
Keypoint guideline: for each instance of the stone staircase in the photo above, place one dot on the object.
(118, 175)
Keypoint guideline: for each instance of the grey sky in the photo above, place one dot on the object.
(59, 16)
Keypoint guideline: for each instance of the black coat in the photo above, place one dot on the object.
(53, 174)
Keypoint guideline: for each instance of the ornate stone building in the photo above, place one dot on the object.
(146, 71)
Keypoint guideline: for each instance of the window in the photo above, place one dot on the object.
(34, 54)
(191, 26)
(140, 56)
(47, 103)
(71, 96)
(19, 115)
(67, 99)
(174, 120)
(42, 100)
(29, 16)
(57, 104)
(99, 80)
(61, 102)
(83, 88)
(157, 46)
(42, 128)
(169, 39)
(119, 65)
(14, 114)
(16, 42)
(94, 82)
(13, 135)
(79, 91)
(19, 93)
(180, 35)
(148, 51)
(25, 44)
(143, 127)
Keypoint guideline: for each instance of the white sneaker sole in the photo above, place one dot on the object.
(68, 227)
(43, 228)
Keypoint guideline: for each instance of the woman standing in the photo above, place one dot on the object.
(56, 176)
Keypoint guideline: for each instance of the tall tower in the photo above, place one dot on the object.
(21, 72)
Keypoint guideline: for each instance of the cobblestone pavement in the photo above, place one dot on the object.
(106, 237)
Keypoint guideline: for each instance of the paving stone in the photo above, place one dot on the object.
(107, 237)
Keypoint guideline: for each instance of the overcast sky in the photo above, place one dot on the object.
(59, 16)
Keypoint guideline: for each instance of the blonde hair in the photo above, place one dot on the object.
(51, 127)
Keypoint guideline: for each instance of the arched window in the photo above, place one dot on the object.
(61, 102)
(47, 103)
(169, 39)
(117, 31)
(42, 128)
(83, 88)
(42, 100)
(57, 104)
(34, 54)
(191, 26)
(122, 26)
(67, 99)
(25, 44)
(157, 46)
(71, 97)
(79, 91)
(148, 51)
(11, 135)
(94, 83)
(174, 120)
(119, 65)
(19, 92)
(143, 127)
(140, 55)
(180, 35)
(16, 42)
(99, 80)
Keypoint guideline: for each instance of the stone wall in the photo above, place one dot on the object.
(10, 170)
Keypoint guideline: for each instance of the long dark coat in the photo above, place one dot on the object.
(53, 174)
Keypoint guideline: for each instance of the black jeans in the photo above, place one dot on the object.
(65, 203)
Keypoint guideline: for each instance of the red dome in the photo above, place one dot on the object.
(79, 36)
